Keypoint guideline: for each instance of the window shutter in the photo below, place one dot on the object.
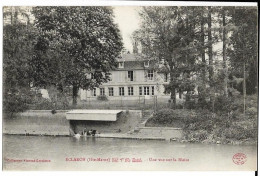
(126, 76)
(134, 74)
(145, 75)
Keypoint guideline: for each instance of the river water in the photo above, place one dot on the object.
(69, 153)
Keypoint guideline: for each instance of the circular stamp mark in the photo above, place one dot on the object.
(239, 158)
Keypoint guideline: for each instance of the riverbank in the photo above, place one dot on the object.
(209, 128)
(37, 122)
(129, 125)
(45, 122)
(185, 126)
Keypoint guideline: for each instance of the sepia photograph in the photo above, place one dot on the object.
(130, 88)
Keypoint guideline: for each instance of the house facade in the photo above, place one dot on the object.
(133, 78)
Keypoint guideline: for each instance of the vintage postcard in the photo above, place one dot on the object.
(130, 87)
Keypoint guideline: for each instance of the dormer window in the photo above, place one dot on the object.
(120, 64)
(146, 63)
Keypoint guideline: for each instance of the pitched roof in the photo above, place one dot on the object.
(135, 62)
(132, 57)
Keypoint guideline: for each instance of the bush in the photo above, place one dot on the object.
(238, 133)
(190, 104)
(168, 118)
(43, 104)
(203, 104)
(252, 111)
(102, 98)
(13, 103)
(222, 104)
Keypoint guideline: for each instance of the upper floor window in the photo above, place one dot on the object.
(120, 64)
(150, 74)
(102, 91)
(130, 75)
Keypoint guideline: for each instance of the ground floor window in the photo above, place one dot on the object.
(121, 91)
(130, 91)
(146, 90)
(110, 91)
(102, 91)
(140, 91)
(180, 95)
(166, 77)
(165, 91)
(93, 92)
(92, 76)
(152, 90)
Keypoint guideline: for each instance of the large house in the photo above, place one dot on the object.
(133, 78)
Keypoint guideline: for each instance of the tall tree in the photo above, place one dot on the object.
(167, 34)
(18, 42)
(210, 54)
(225, 84)
(243, 46)
(74, 42)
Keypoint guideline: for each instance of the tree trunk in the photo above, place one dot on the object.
(173, 89)
(75, 94)
(211, 73)
(203, 51)
(173, 98)
(224, 56)
(202, 89)
(244, 86)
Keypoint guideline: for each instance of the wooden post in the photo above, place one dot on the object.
(244, 87)
(156, 103)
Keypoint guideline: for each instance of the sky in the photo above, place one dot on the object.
(128, 21)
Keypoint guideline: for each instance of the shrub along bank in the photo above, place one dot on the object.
(227, 125)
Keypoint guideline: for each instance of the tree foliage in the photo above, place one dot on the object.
(74, 42)
(186, 39)
(243, 47)
(18, 42)
(170, 34)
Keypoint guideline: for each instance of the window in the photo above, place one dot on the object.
(166, 77)
(130, 91)
(110, 91)
(140, 90)
(92, 76)
(121, 91)
(152, 90)
(102, 91)
(93, 92)
(120, 64)
(150, 74)
(130, 76)
(180, 95)
(146, 64)
(166, 91)
(146, 90)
